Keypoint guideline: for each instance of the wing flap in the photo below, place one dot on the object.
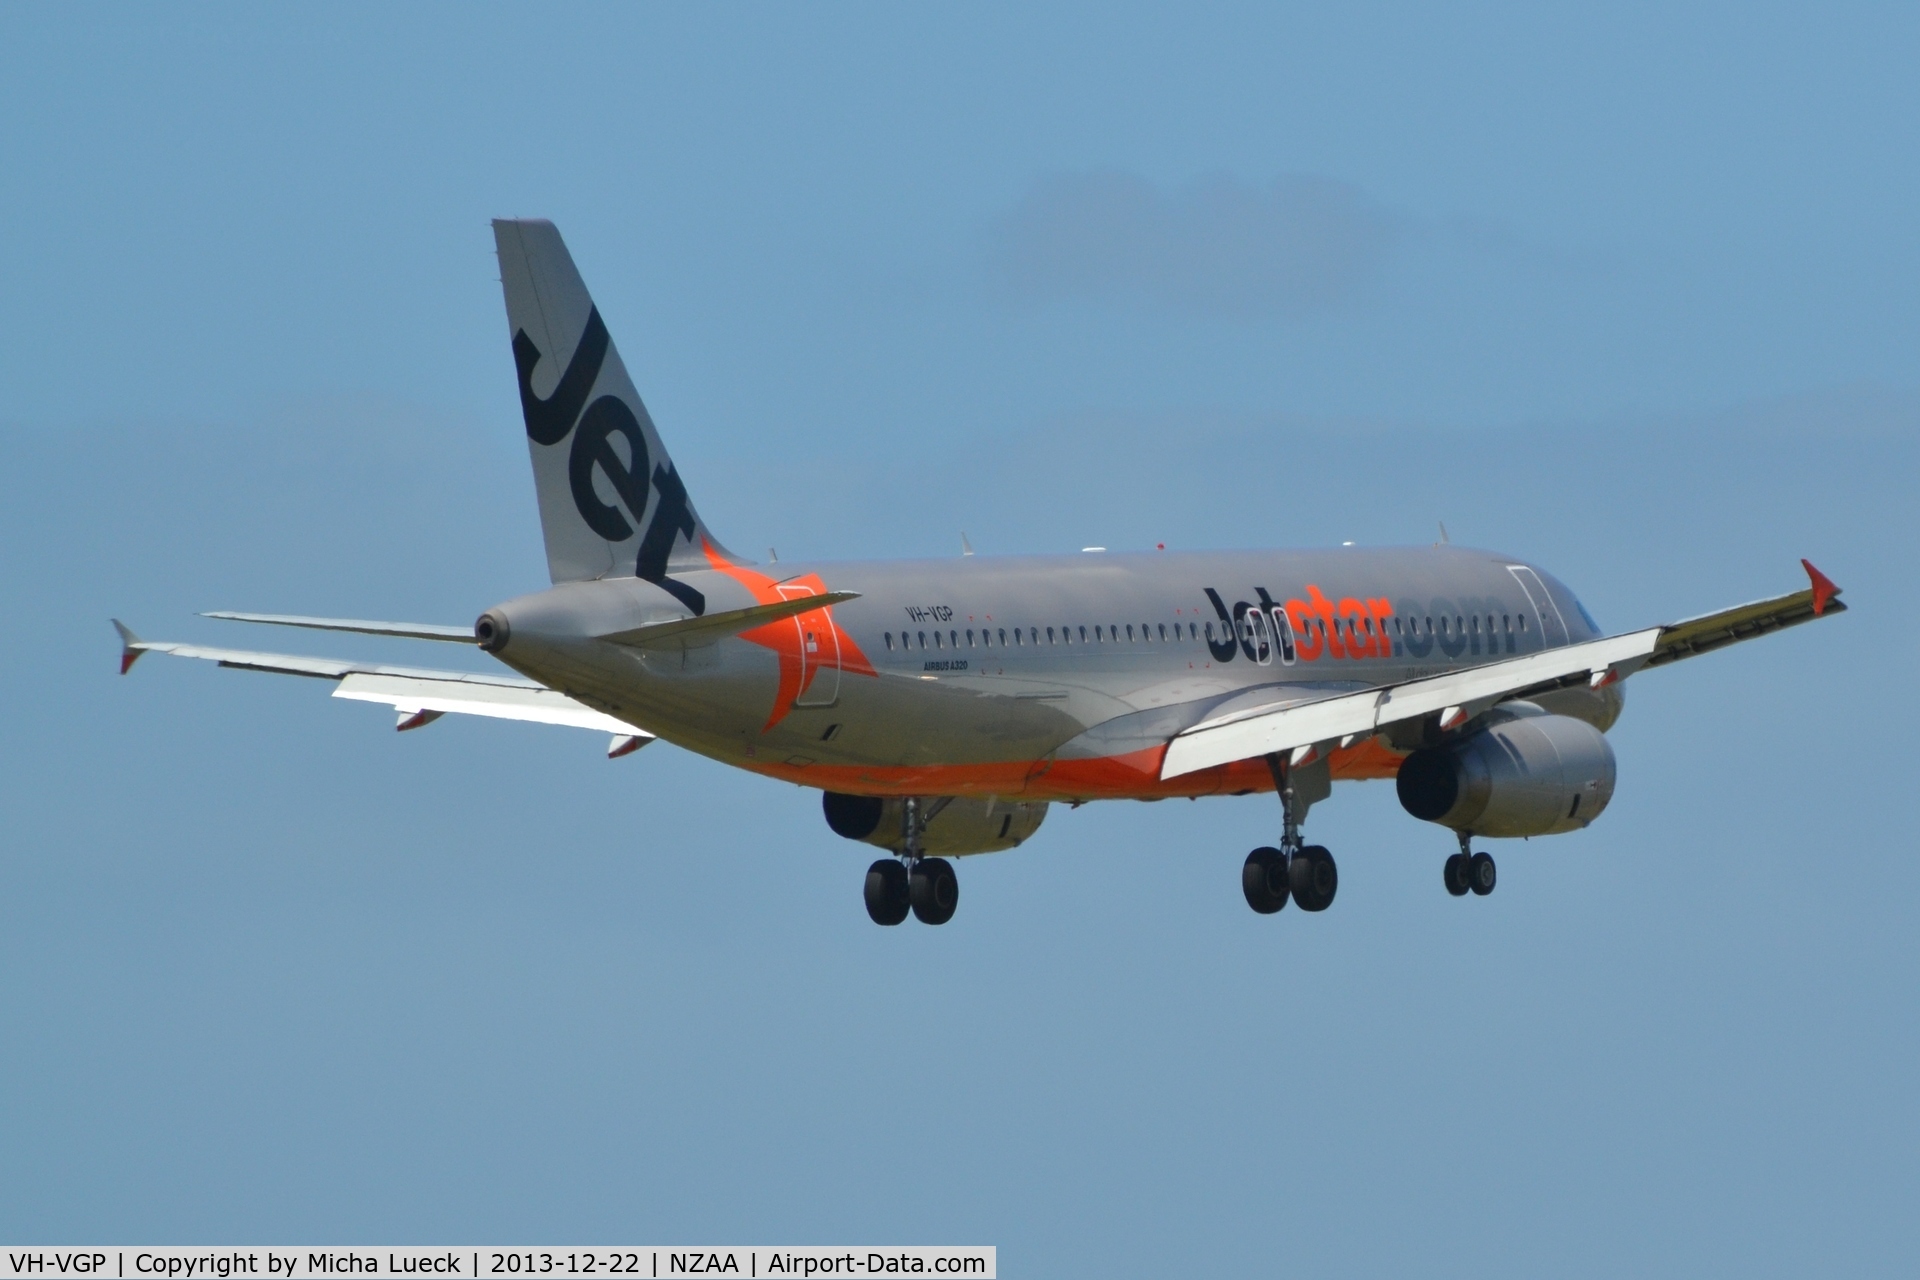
(540, 705)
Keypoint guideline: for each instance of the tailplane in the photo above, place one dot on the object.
(611, 502)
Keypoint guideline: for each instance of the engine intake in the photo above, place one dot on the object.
(1524, 775)
(959, 825)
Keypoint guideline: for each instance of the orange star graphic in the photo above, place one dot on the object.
(806, 644)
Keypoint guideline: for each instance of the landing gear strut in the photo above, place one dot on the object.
(1304, 872)
(910, 881)
(1467, 870)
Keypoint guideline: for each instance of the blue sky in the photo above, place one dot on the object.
(1634, 292)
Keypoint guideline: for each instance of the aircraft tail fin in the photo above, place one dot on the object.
(611, 502)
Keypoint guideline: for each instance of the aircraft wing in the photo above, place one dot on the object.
(1304, 728)
(420, 696)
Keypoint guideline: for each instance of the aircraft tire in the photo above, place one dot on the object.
(1456, 875)
(1314, 878)
(888, 894)
(935, 890)
(1481, 874)
(1263, 878)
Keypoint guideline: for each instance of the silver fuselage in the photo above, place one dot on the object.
(1048, 677)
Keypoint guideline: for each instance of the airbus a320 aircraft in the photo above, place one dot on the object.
(941, 705)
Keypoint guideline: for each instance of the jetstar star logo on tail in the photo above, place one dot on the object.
(811, 646)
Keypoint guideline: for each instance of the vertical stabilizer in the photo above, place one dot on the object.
(611, 502)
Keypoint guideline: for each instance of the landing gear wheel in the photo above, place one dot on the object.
(1481, 874)
(935, 890)
(1263, 878)
(887, 892)
(1313, 878)
(1456, 875)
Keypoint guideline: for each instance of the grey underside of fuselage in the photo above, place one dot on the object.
(1113, 652)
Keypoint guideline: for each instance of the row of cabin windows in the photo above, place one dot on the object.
(1249, 630)
(1004, 638)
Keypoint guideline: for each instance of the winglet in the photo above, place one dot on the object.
(1823, 588)
(130, 646)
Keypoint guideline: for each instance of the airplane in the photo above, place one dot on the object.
(940, 706)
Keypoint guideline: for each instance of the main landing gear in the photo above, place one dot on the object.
(1469, 871)
(912, 882)
(1305, 873)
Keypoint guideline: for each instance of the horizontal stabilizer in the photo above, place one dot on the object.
(404, 630)
(718, 626)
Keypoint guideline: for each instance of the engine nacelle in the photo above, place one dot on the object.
(1523, 775)
(959, 825)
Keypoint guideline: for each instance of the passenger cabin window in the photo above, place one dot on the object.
(1129, 633)
(923, 639)
(1049, 635)
(889, 640)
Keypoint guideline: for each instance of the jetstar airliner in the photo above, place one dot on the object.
(941, 705)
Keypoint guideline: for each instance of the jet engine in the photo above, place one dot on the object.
(1523, 775)
(953, 825)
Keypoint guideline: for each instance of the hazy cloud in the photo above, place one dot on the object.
(1298, 246)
